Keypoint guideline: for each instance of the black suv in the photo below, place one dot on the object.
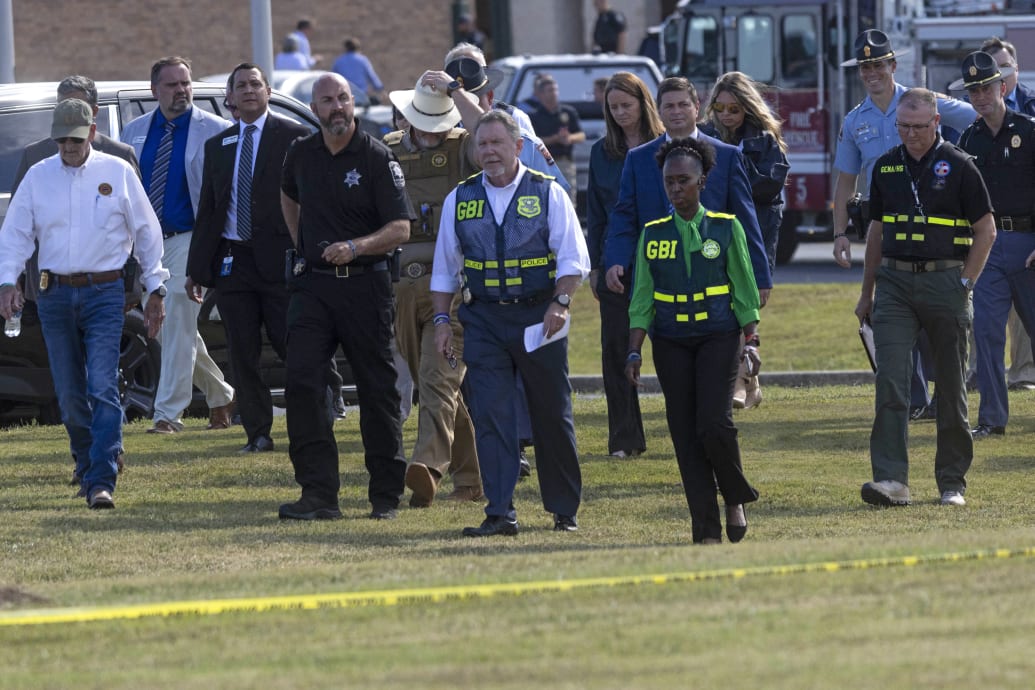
(26, 386)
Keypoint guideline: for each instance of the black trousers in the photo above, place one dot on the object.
(248, 303)
(697, 377)
(356, 313)
(624, 422)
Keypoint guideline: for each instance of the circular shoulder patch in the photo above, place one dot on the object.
(710, 249)
(397, 174)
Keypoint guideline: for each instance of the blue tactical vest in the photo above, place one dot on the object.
(513, 260)
(698, 304)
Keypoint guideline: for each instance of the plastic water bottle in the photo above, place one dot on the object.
(13, 325)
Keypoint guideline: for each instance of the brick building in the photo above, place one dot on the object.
(120, 40)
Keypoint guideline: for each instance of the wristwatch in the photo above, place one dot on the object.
(453, 86)
(563, 299)
(160, 291)
(967, 283)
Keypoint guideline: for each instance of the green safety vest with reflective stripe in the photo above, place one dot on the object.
(512, 260)
(700, 303)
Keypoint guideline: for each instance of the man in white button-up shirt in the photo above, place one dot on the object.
(511, 235)
(88, 211)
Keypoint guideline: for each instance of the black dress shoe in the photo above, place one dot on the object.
(733, 531)
(260, 444)
(494, 525)
(383, 514)
(565, 523)
(309, 508)
(525, 469)
(986, 430)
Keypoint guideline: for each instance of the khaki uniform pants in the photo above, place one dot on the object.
(445, 434)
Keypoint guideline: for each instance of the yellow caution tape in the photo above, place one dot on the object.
(426, 595)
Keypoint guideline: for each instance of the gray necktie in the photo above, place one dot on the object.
(244, 186)
(160, 171)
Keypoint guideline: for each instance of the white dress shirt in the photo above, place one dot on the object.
(566, 239)
(230, 231)
(86, 219)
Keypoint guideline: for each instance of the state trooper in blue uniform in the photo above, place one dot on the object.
(1003, 145)
(867, 133)
(513, 237)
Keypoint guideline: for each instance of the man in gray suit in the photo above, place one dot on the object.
(170, 145)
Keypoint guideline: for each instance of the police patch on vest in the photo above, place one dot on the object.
(710, 249)
(397, 174)
(1015, 141)
(528, 206)
(439, 160)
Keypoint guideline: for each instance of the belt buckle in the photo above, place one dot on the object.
(1007, 223)
(920, 267)
(414, 270)
(338, 271)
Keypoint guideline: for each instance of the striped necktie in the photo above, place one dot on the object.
(244, 186)
(160, 171)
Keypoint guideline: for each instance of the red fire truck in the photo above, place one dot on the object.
(796, 47)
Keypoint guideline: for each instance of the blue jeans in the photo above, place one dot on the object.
(83, 330)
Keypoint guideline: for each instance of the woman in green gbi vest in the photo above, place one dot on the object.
(694, 290)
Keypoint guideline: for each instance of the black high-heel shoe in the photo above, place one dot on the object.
(733, 531)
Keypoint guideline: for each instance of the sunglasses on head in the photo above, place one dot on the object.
(74, 140)
(731, 108)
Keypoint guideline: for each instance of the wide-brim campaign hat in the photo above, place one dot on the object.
(473, 76)
(980, 68)
(873, 46)
(426, 109)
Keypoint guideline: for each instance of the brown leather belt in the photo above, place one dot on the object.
(416, 269)
(921, 266)
(84, 279)
(1013, 223)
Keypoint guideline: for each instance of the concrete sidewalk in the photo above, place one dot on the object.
(595, 383)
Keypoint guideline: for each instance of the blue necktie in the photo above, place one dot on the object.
(244, 186)
(160, 171)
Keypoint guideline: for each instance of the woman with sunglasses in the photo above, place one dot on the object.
(738, 115)
(632, 119)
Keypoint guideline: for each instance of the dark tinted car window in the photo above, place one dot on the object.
(18, 131)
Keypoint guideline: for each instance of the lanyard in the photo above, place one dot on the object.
(912, 181)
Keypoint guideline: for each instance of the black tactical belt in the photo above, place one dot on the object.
(1013, 223)
(351, 270)
(524, 301)
(921, 266)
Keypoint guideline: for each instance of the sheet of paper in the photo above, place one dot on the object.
(535, 338)
(866, 334)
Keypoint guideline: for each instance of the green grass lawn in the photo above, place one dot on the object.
(803, 328)
(197, 521)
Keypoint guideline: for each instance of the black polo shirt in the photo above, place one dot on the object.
(546, 124)
(346, 195)
(1006, 161)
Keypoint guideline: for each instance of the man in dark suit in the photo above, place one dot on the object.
(239, 242)
(83, 88)
(641, 195)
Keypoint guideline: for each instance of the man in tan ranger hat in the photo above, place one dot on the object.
(93, 202)
(435, 156)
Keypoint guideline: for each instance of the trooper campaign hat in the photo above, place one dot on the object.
(72, 118)
(980, 68)
(872, 46)
(474, 77)
(426, 109)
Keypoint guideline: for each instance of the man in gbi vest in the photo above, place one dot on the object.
(435, 156)
(931, 228)
(511, 238)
